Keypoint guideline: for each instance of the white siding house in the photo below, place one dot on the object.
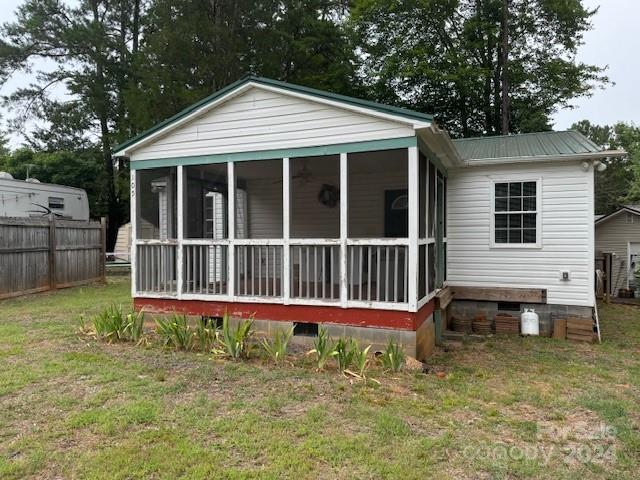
(299, 206)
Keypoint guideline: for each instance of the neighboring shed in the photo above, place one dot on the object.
(618, 233)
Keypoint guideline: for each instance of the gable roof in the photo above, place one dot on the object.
(529, 146)
(349, 102)
(634, 209)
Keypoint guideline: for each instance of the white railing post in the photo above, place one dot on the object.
(231, 229)
(180, 230)
(286, 230)
(133, 229)
(414, 185)
(344, 226)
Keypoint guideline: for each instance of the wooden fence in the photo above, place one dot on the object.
(38, 254)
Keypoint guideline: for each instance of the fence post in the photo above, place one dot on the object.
(103, 250)
(52, 252)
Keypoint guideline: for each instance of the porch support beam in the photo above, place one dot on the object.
(231, 229)
(180, 230)
(286, 230)
(413, 187)
(133, 205)
(344, 226)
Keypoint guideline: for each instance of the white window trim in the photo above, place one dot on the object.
(538, 212)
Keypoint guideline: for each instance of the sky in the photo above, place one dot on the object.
(613, 42)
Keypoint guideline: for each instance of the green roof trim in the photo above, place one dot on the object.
(542, 144)
(371, 145)
(356, 102)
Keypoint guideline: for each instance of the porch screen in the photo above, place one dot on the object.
(515, 212)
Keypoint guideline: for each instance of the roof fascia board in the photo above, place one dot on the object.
(549, 158)
(616, 213)
(333, 149)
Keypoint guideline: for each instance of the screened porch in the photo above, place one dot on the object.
(363, 229)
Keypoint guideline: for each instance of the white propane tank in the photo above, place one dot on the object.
(529, 322)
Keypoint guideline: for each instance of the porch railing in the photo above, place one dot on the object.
(205, 268)
(315, 269)
(156, 271)
(378, 271)
(259, 269)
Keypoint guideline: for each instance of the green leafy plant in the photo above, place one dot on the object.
(324, 348)
(361, 361)
(175, 332)
(232, 342)
(133, 329)
(276, 349)
(206, 335)
(345, 351)
(393, 357)
(113, 324)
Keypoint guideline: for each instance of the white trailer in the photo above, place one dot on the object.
(30, 198)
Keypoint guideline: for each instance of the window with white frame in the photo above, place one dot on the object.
(515, 212)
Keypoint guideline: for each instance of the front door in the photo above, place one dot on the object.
(396, 213)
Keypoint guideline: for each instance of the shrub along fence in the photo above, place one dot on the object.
(38, 254)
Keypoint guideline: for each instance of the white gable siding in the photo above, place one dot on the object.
(567, 232)
(264, 120)
(613, 236)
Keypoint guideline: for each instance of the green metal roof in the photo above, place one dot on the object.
(379, 107)
(525, 145)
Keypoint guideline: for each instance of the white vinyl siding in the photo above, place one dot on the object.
(613, 236)
(264, 120)
(565, 213)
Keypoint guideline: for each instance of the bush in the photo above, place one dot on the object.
(176, 332)
(324, 348)
(276, 349)
(234, 343)
(114, 325)
(393, 357)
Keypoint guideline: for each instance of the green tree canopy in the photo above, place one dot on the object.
(476, 64)
(619, 184)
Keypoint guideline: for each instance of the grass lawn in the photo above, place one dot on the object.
(72, 407)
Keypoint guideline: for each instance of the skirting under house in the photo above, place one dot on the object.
(300, 207)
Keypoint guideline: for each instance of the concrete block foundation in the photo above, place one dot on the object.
(546, 312)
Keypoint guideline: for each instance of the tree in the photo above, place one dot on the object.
(89, 45)
(619, 184)
(191, 48)
(482, 66)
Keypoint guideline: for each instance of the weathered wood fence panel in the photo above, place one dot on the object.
(38, 254)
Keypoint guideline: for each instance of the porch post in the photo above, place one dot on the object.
(414, 185)
(344, 226)
(231, 229)
(286, 230)
(180, 230)
(133, 205)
